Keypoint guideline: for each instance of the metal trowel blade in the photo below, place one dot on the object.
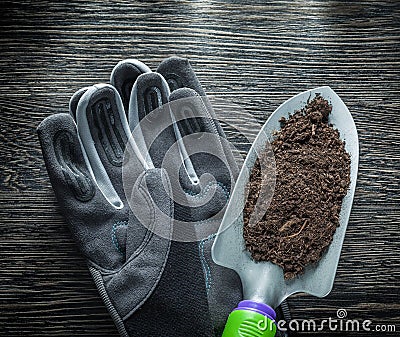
(264, 281)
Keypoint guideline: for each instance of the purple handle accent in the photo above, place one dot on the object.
(259, 307)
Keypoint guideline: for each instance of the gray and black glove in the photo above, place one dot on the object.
(183, 136)
(141, 276)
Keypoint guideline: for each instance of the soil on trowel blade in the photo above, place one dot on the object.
(312, 177)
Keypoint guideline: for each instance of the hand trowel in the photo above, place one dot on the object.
(264, 286)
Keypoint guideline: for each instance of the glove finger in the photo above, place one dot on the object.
(149, 94)
(178, 73)
(202, 149)
(199, 135)
(123, 77)
(64, 158)
(89, 215)
(185, 107)
(73, 102)
(104, 132)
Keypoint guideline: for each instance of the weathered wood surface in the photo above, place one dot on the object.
(257, 55)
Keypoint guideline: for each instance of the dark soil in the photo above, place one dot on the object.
(312, 177)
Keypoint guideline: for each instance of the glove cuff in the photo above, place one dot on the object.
(98, 280)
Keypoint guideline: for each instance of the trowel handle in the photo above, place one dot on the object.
(252, 319)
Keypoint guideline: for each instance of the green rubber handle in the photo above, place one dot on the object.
(247, 323)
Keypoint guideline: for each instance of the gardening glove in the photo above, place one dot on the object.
(181, 127)
(150, 285)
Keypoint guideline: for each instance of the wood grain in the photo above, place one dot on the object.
(255, 54)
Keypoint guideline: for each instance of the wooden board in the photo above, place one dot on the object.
(256, 55)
